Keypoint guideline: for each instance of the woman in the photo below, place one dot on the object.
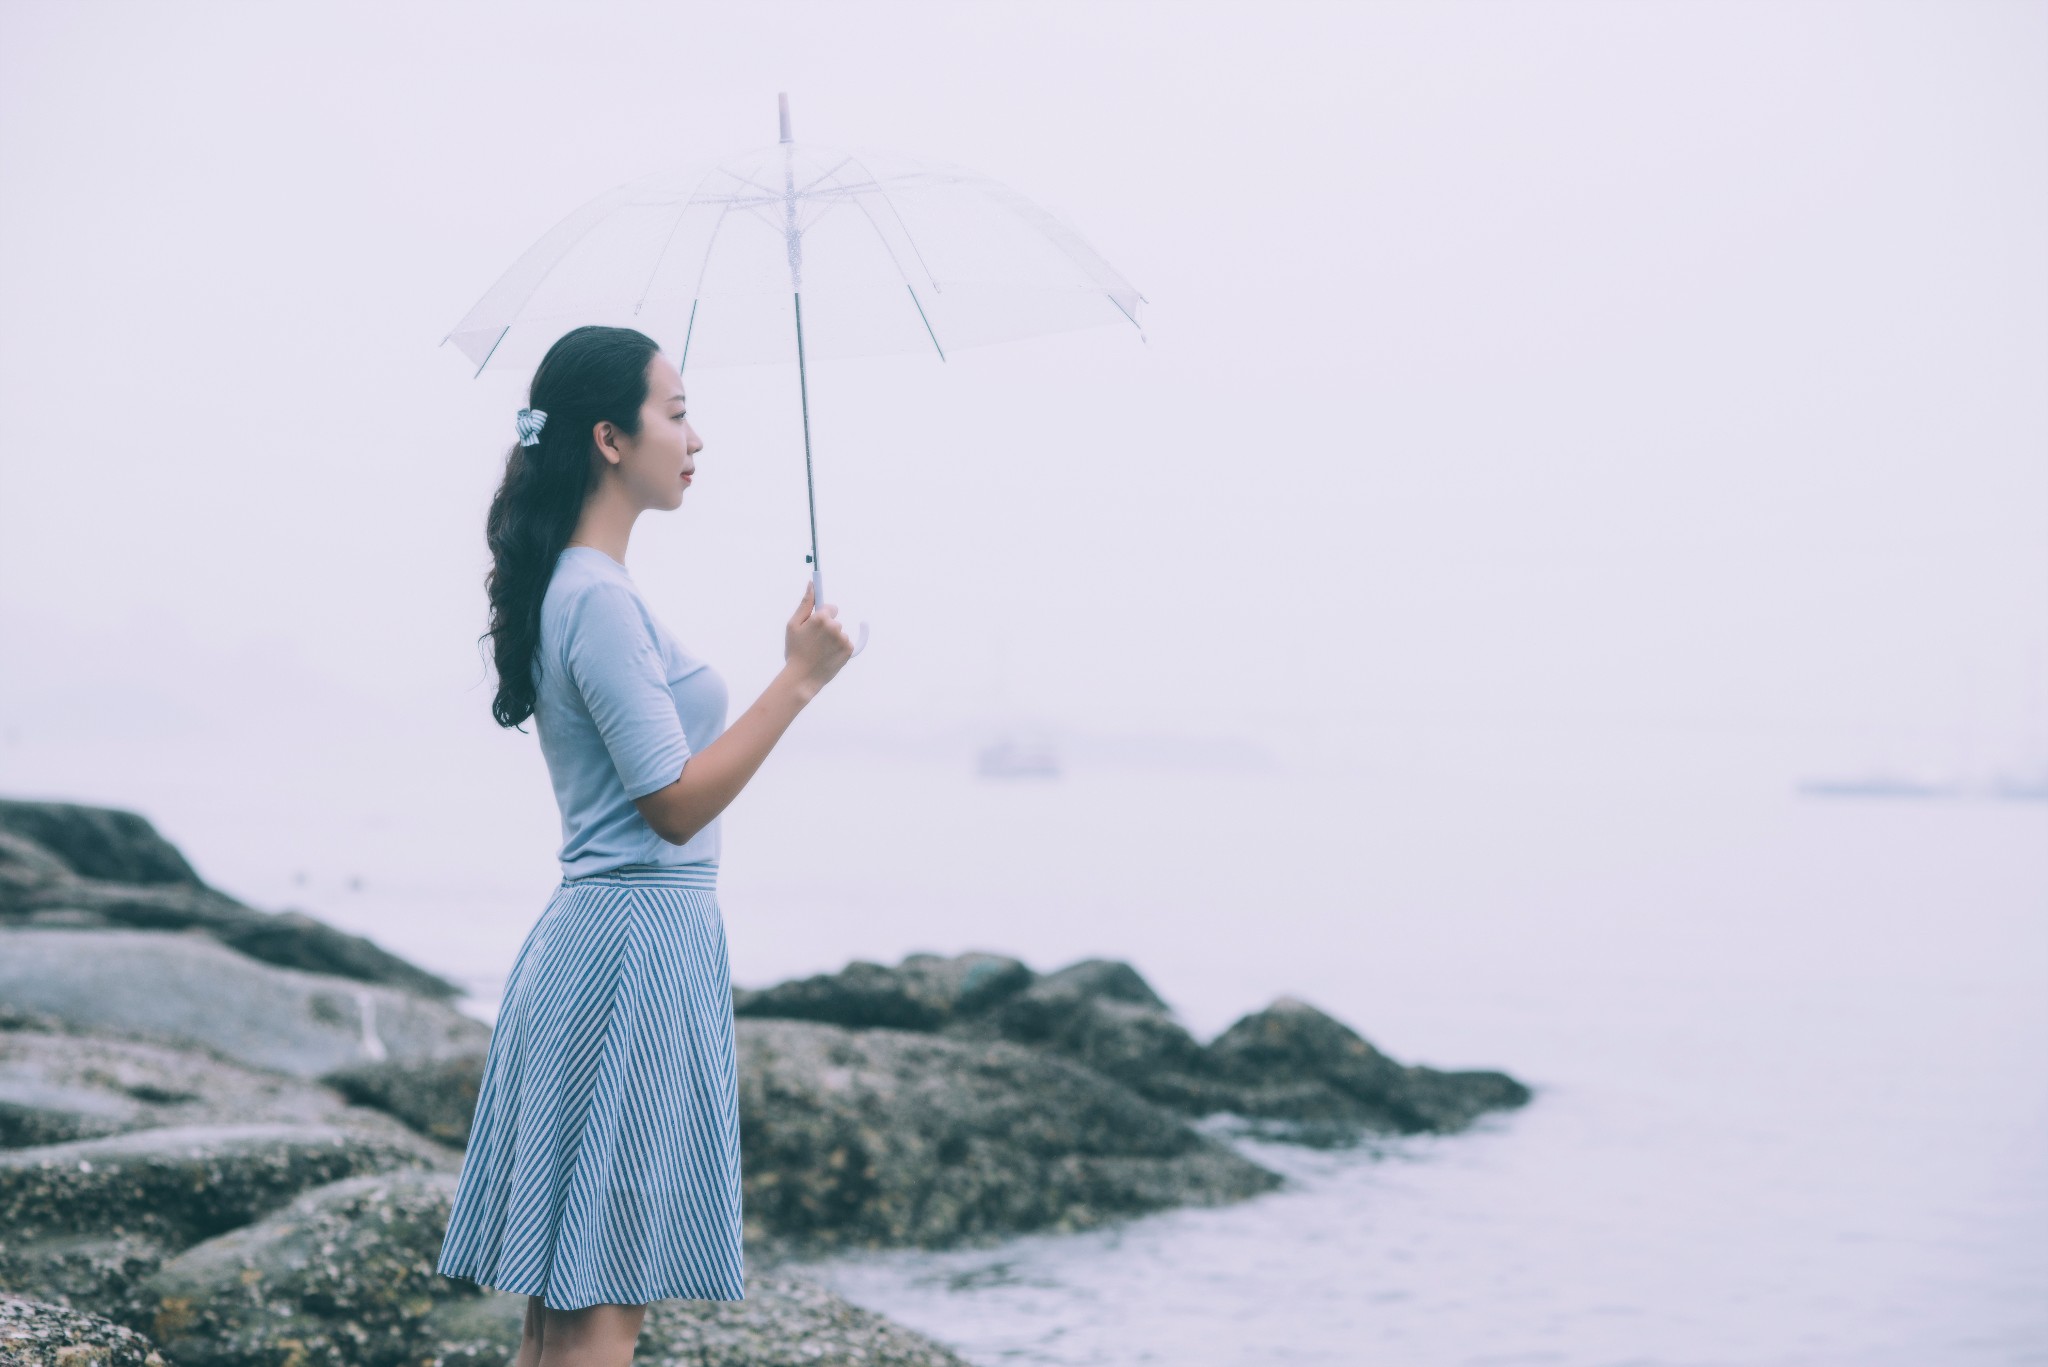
(603, 1169)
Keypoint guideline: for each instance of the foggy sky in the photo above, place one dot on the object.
(1584, 364)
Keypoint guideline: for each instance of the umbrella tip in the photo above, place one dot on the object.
(782, 110)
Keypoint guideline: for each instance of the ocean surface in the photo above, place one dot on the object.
(1787, 1050)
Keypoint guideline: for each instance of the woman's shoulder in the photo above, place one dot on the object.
(579, 579)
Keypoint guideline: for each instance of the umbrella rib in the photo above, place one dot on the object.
(890, 251)
(492, 352)
(829, 174)
(688, 333)
(927, 322)
(709, 243)
(669, 241)
(897, 214)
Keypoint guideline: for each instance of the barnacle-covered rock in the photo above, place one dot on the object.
(37, 1334)
(343, 1276)
(888, 1137)
(84, 1222)
(784, 1322)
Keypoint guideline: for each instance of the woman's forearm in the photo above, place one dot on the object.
(713, 776)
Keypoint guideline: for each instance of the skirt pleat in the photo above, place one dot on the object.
(604, 1159)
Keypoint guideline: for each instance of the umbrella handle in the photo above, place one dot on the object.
(860, 641)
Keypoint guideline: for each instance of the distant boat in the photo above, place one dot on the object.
(1875, 785)
(1018, 757)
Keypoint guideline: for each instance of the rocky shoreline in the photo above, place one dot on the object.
(229, 1137)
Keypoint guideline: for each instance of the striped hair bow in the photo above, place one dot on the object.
(530, 423)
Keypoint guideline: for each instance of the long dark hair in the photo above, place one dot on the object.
(590, 375)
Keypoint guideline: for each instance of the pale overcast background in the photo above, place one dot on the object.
(1586, 362)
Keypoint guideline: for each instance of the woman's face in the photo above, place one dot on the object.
(655, 467)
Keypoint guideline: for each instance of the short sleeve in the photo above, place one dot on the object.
(617, 667)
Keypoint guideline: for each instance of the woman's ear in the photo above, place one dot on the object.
(607, 438)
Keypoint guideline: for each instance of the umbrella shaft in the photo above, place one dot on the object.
(804, 389)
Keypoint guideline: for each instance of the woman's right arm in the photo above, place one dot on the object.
(815, 647)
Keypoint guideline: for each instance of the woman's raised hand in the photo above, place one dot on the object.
(814, 642)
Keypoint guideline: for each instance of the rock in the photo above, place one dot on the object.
(436, 1097)
(186, 1184)
(784, 1322)
(87, 1272)
(292, 939)
(886, 1137)
(342, 1277)
(62, 864)
(1291, 1061)
(58, 1085)
(1102, 979)
(83, 1223)
(188, 990)
(1102, 1013)
(99, 842)
(289, 939)
(26, 867)
(924, 992)
(35, 1334)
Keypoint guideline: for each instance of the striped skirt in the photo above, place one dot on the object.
(604, 1160)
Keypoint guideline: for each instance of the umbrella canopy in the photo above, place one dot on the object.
(794, 251)
(886, 253)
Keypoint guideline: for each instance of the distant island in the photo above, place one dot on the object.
(2004, 786)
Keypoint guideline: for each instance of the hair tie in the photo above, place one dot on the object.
(531, 420)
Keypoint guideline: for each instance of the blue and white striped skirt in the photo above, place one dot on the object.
(604, 1159)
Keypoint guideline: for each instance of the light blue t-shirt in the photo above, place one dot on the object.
(619, 707)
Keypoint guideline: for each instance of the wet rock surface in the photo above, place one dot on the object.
(188, 989)
(36, 1334)
(889, 1137)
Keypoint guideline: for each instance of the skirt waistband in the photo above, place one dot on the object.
(698, 875)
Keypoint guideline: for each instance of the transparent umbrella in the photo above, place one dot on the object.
(797, 251)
